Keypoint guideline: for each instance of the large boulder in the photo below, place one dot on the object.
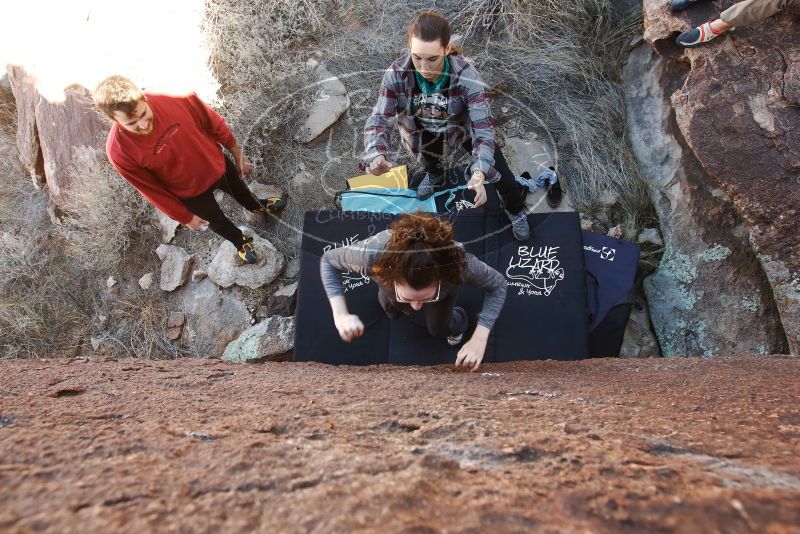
(269, 338)
(737, 109)
(227, 269)
(709, 295)
(49, 130)
(214, 317)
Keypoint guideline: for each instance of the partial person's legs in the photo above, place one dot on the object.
(444, 319)
(205, 206)
(741, 14)
(512, 193)
(748, 12)
(508, 188)
(232, 184)
(431, 153)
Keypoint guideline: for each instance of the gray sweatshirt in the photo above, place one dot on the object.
(360, 256)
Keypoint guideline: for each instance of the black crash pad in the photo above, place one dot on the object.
(611, 272)
(546, 320)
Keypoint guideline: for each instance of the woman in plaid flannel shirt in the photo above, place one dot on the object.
(440, 103)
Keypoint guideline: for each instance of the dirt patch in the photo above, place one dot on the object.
(201, 445)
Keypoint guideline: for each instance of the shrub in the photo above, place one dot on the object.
(104, 215)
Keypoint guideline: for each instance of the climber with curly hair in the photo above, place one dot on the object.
(417, 266)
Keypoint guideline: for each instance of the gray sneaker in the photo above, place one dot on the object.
(519, 225)
(426, 186)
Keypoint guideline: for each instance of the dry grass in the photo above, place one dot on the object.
(552, 60)
(104, 215)
(45, 302)
(50, 277)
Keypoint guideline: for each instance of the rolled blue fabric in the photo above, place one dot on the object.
(539, 181)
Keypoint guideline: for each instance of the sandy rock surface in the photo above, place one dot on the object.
(201, 445)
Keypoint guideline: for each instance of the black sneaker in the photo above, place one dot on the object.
(554, 193)
(271, 204)
(680, 5)
(247, 253)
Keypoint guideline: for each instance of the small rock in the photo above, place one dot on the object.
(292, 269)
(176, 319)
(69, 391)
(650, 236)
(283, 301)
(96, 341)
(111, 282)
(616, 232)
(271, 337)
(608, 198)
(166, 226)
(262, 312)
(174, 333)
(147, 280)
(198, 275)
(175, 266)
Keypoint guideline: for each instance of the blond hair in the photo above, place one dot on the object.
(117, 93)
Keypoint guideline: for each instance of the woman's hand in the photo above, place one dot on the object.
(471, 354)
(379, 166)
(349, 326)
(476, 184)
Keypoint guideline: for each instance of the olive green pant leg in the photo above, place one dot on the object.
(749, 12)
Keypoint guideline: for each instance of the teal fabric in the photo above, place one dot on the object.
(436, 87)
(394, 200)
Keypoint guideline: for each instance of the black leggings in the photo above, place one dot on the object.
(511, 192)
(205, 205)
(439, 316)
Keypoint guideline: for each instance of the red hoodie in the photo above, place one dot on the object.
(180, 158)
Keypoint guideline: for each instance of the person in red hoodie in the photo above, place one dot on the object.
(168, 148)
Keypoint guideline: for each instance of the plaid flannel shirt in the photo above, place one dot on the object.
(468, 115)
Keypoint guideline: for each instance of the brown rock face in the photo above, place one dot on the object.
(738, 111)
(201, 445)
(49, 131)
(709, 294)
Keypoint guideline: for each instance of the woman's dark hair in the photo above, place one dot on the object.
(420, 253)
(430, 26)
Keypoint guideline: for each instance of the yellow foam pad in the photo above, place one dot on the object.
(396, 178)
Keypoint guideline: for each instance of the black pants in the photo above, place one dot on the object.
(439, 316)
(511, 192)
(205, 205)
